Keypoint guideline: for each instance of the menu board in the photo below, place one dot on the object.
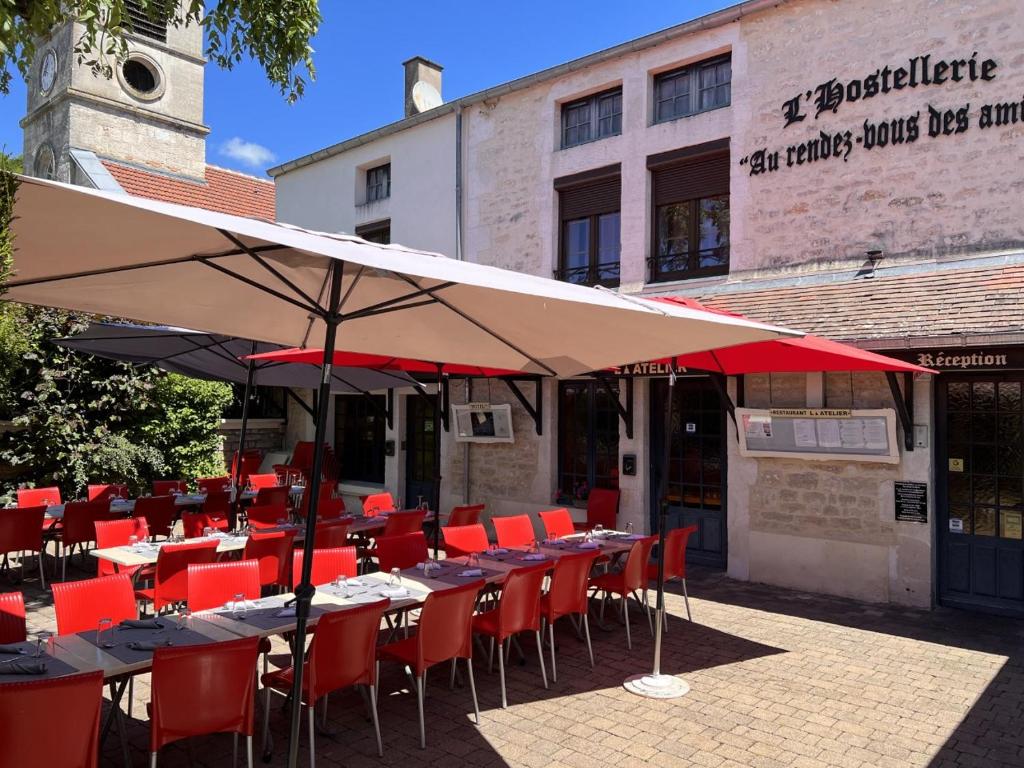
(819, 433)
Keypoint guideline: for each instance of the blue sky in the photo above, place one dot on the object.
(359, 52)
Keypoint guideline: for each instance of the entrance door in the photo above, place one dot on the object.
(419, 449)
(979, 510)
(697, 455)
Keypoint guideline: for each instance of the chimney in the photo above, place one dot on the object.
(422, 85)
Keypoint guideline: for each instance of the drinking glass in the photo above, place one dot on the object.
(341, 584)
(398, 503)
(238, 609)
(492, 549)
(104, 629)
(183, 616)
(629, 529)
(395, 579)
(419, 502)
(473, 561)
(207, 532)
(598, 531)
(133, 541)
(429, 567)
(42, 641)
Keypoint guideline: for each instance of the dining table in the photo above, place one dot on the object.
(181, 500)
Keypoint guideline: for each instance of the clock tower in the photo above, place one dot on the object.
(148, 114)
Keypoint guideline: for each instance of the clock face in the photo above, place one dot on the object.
(48, 71)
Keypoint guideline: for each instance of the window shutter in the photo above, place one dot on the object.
(706, 175)
(590, 197)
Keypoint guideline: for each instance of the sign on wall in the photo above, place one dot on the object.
(483, 423)
(936, 118)
(911, 500)
(819, 433)
(963, 358)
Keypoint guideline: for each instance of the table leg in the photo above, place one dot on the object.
(117, 689)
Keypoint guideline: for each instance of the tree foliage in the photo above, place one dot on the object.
(275, 33)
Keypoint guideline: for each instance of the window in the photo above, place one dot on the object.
(144, 24)
(139, 76)
(359, 434)
(690, 235)
(689, 90)
(589, 213)
(594, 117)
(44, 166)
(588, 439)
(377, 232)
(378, 183)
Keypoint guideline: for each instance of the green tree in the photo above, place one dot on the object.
(276, 33)
(184, 429)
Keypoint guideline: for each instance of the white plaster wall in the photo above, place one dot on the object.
(330, 195)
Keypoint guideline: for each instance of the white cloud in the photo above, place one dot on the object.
(248, 152)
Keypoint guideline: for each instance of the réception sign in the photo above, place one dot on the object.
(922, 71)
(974, 359)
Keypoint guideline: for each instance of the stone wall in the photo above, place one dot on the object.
(264, 435)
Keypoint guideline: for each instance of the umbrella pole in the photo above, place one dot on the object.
(304, 591)
(436, 501)
(236, 492)
(657, 685)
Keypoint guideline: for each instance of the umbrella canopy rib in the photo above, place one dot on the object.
(392, 304)
(262, 262)
(316, 309)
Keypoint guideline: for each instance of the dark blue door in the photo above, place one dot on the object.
(696, 466)
(980, 498)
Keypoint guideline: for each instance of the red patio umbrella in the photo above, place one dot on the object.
(806, 354)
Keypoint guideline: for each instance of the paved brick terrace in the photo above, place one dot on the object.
(779, 678)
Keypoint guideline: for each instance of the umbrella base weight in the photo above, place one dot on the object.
(657, 686)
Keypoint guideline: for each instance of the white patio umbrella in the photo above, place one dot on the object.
(157, 262)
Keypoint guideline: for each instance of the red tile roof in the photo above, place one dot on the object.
(950, 301)
(223, 190)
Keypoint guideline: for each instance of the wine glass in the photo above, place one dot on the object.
(238, 608)
(104, 628)
(629, 529)
(429, 567)
(473, 561)
(598, 531)
(395, 578)
(398, 503)
(183, 617)
(42, 641)
(341, 584)
(133, 542)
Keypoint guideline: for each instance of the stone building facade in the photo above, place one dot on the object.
(843, 168)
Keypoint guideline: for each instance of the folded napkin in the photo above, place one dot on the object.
(471, 572)
(286, 613)
(553, 542)
(17, 648)
(356, 583)
(394, 592)
(499, 551)
(141, 624)
(148, 645)
(534, 556)
(589, 545)
(23, 668)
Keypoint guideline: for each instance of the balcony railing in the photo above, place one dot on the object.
(606, 274)
(682, 266)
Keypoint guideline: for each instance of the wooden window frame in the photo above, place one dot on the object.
(691, 75)
(593, 121)
(378, 189)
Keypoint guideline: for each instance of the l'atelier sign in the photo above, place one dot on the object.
(932, 122)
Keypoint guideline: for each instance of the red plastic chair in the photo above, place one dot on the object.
(267, 516)
(567, 596)
(676, 542)
(399, 523)
(466, 515)
(460, 540)
(106, 492)
(324, 501)
(251, 461)
(376, 503)
(518, 611)
(274, 495)
(21, 530)
(514, 531)
(26, 720)
(329, 509)
(626, 582)
(165, 487)
(208, 484)
(557, 523)
(218, 504)
(211, 585)
(602, 509)
(78, 526)
(118, 533)
(170, 580)
(12, 617)
(342, 654)
(330, 534)
(328, 564)
(194, 523)
(203, 689)
(445, 634)
(159, 512)
(273, 554)
(79, 605)
(39, 497)
(268, 480)
(402, 551)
